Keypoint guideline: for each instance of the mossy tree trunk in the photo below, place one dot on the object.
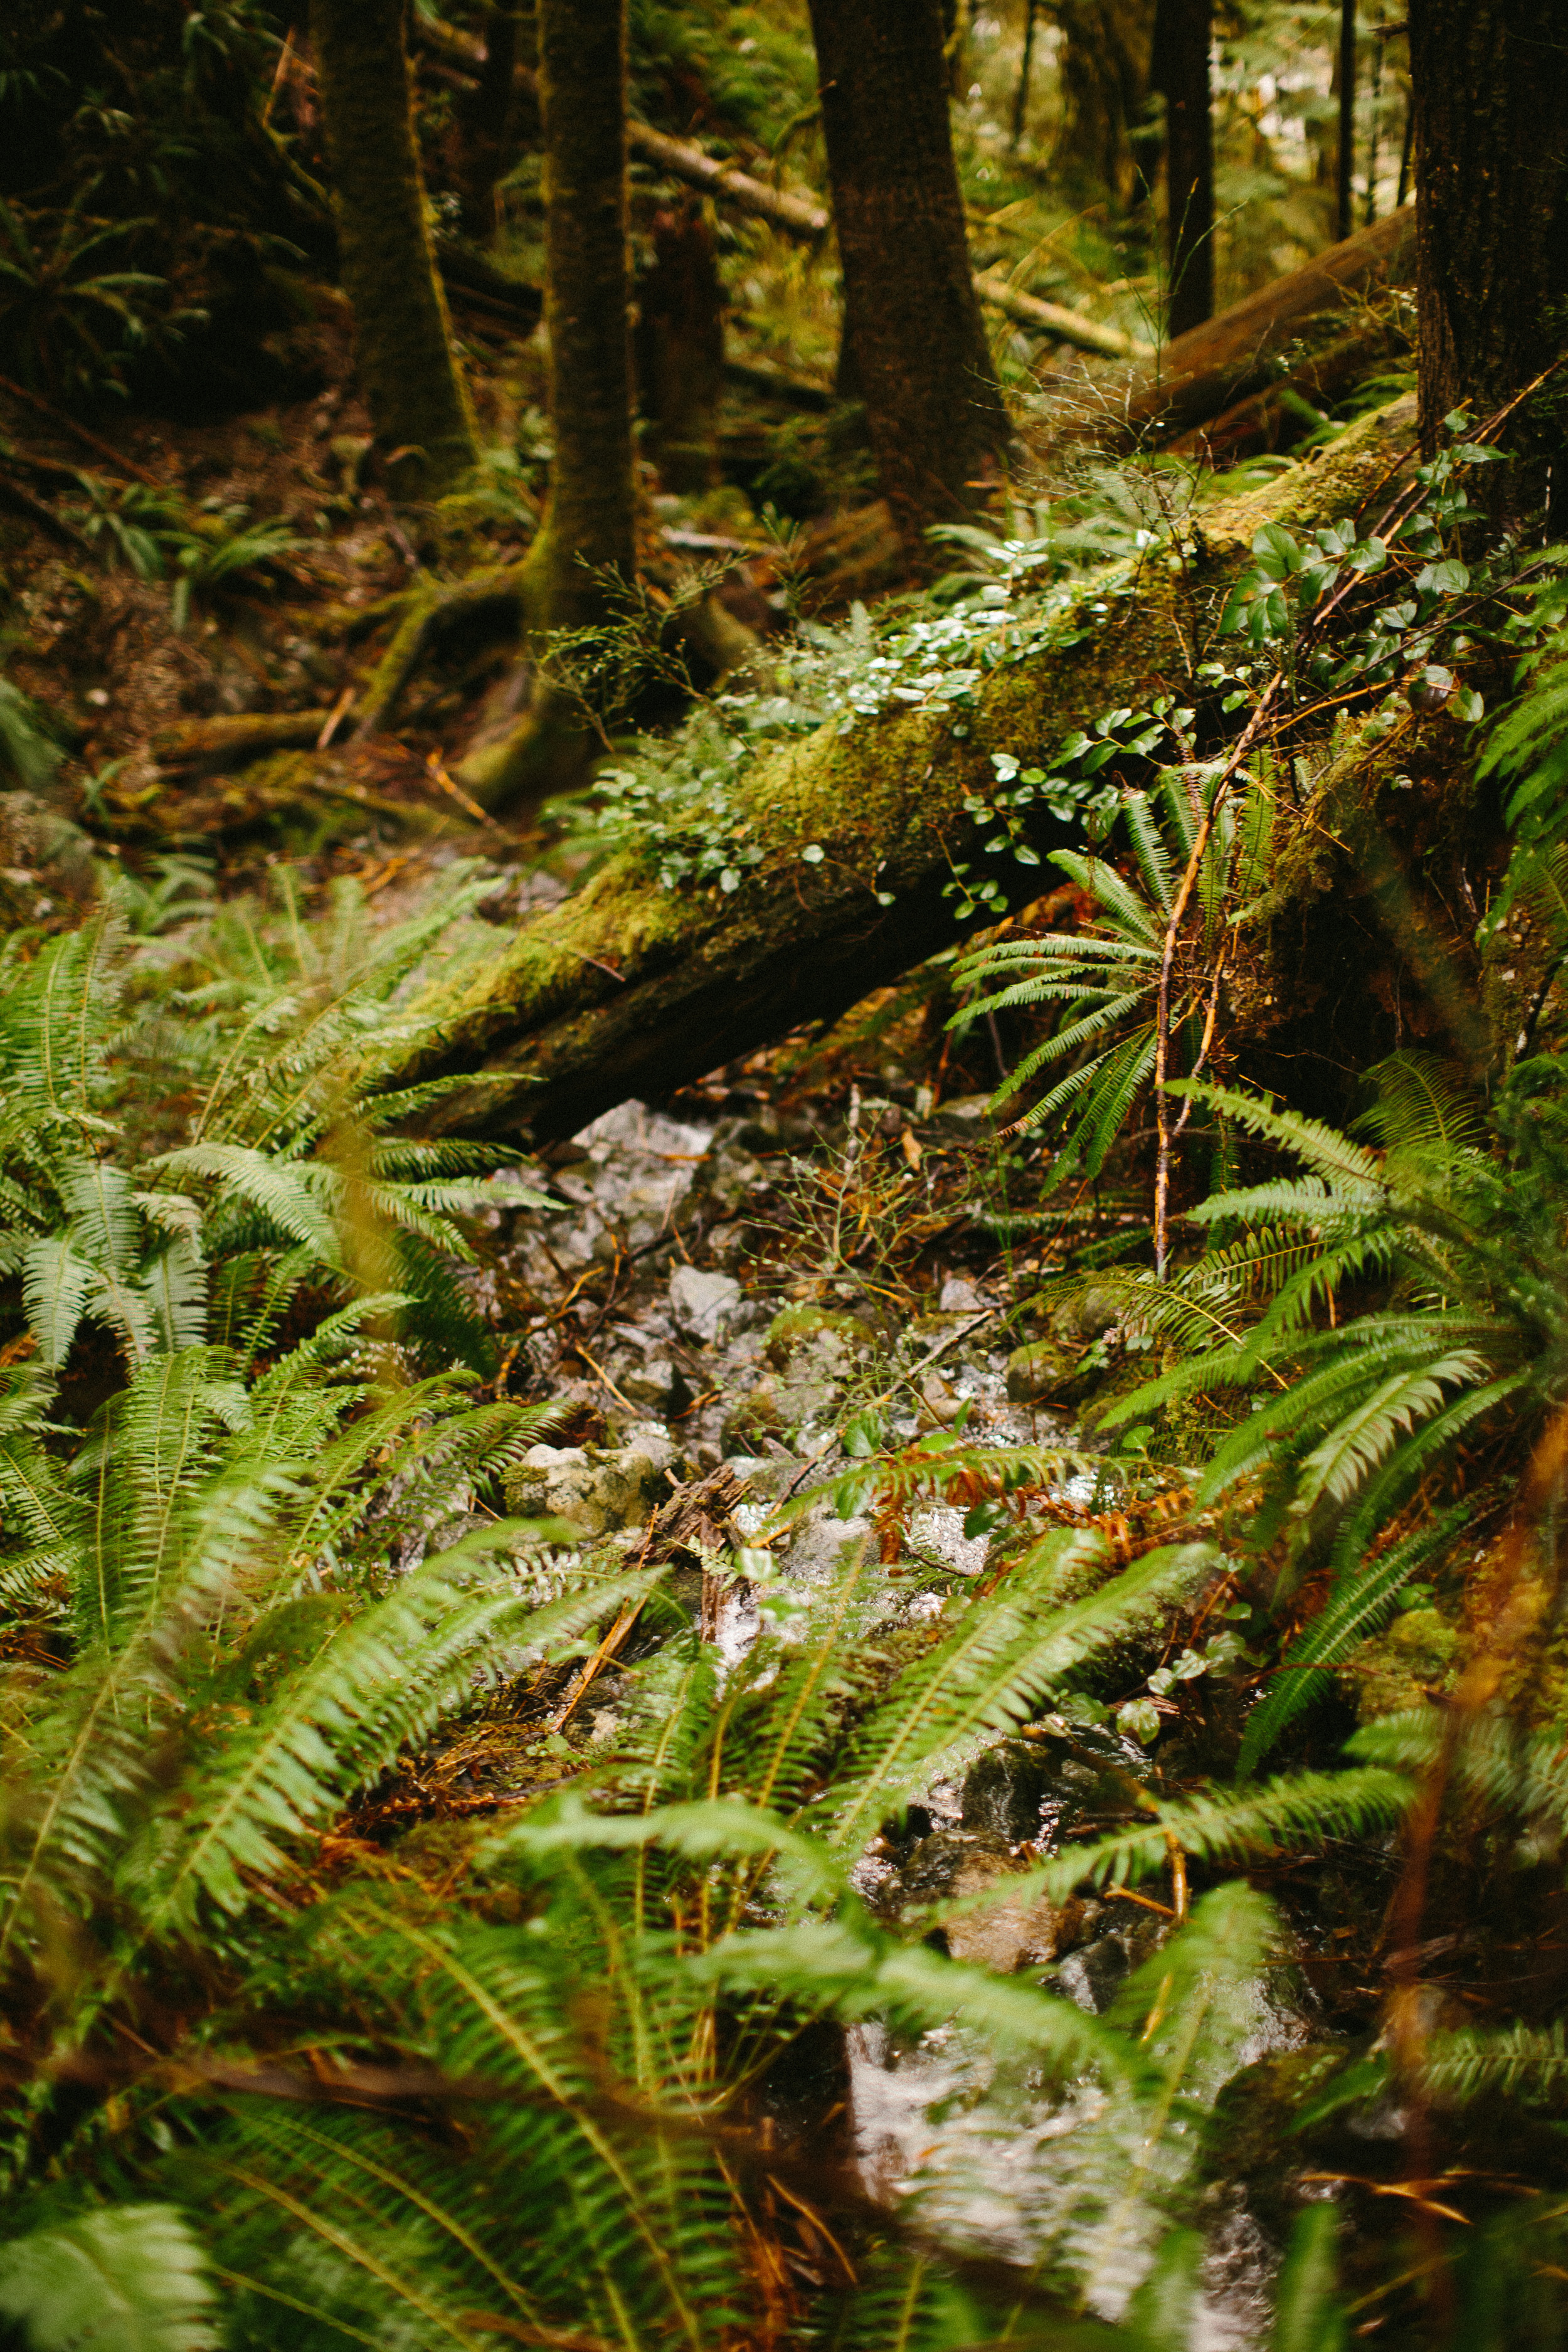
(588, 541)
(402, 342)
(1183, 31)
(915, 345)
(486, 120)
(630, 988)
(1490, 89)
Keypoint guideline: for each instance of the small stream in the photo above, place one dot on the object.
(688, 1372)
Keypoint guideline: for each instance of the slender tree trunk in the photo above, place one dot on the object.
(1346, 161)
(1103, 64)
(1489, 88)
(587, 539)
(403, 343)
(915, 345)
(485, 119)
(1183, 31)
(680, 348)
(1025, 70)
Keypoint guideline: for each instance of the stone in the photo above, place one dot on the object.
(701, 1300)
(599, 1490)
(958, 1297)
(1093, 1976)
(828, 1335)
(1005, 1933)
(1085, 1318)
(1004, 1791)
(1037, 1371)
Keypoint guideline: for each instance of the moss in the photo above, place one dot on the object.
(794, 1329)
(1415, 1662)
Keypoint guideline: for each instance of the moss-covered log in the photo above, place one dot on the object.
(627, 989)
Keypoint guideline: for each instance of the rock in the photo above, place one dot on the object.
(959, 1298)
(815, 1550)
(1004, 1791)
(1086, 1316)
(1037, 1371)
(1005, 1934)
(599, 1491)
(1410, 1663)
(825, 1333)
(1095, 1975)
(700, 1301)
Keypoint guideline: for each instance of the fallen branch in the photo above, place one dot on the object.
(79, 432)
(207, 746)
(701, 977)
(1051, 319)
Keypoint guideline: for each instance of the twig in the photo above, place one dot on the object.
(88, 440)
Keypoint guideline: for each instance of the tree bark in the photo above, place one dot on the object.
(485, 119)
(627, 989)
(911, 321)
(417, 399)
(1489, 95)
(588, 536)
(1183, 31)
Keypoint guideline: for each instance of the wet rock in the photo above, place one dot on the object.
(597, 1489)
(1007, 1933)
(1037, 1371)
(1413, 1661)
(1095, 1974)
(700, 1301)
(1004, 1789)
(816, 1549)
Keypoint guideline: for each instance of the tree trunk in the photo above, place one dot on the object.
(628, 989)
(911, 321)
(1103, 68)
(485, 119)
(680, 349)
(416, 396)
(588, 536)
(1183, 30)
(1489, 92)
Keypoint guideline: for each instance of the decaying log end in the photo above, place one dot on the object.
(628, 989)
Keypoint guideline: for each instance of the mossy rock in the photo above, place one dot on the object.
(1410, 1663)
(823, 1331)
(1037, 1371)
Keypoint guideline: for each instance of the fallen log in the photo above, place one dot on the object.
(1235, 353)
(207, 746)
(625, 989)
(1287, 411)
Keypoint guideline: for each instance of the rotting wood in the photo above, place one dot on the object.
(207, 746)
(701, 977)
